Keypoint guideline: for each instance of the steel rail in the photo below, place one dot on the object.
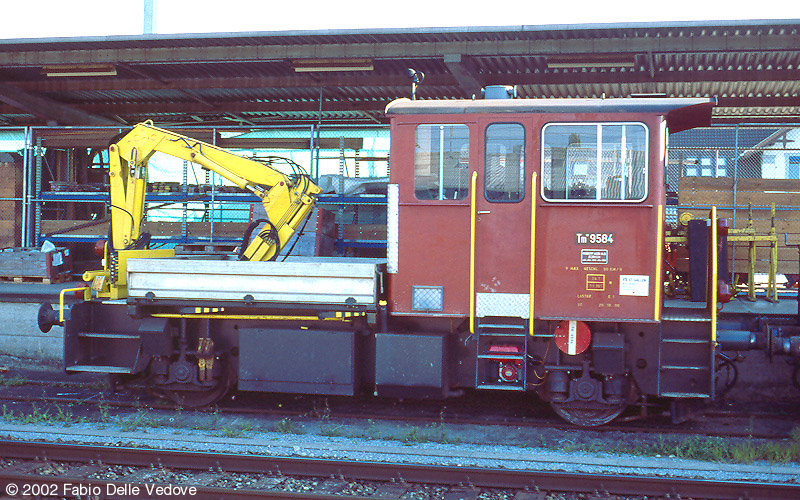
(66, 488)
(377, 471)
(464, 416)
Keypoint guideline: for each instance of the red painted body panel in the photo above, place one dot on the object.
(434, 236)
(568, 288)
(433, 251)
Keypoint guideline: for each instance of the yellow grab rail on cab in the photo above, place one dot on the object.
(472, 218)
(712, 299)
(533, 246)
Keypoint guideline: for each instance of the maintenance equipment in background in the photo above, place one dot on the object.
(525, 253)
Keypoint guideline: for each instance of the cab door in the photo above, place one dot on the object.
(502, 208)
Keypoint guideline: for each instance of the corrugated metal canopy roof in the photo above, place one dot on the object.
(752, 67)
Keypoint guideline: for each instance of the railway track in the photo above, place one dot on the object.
(716, 422)
(73, 471)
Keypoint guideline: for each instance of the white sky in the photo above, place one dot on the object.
(75, 18)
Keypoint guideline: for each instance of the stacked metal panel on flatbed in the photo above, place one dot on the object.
(316, 280)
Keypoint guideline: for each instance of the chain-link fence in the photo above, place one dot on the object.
(10, 200)
(735, 152)
(66, 173)
(743, 171)
(11, 187)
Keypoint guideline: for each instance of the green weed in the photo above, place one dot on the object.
(331, 430)
(64, 416)
(238, 430)
(105, 411)
(413, 435)
(14, 381)
(287, 426)
(8, 414)
(140, 419)
(438, 434)
(231, 432)
(36, 416)
(716, 449)
(372, 431)
(746, 452)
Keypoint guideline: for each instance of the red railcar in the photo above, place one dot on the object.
(536, 227)
(524, 253)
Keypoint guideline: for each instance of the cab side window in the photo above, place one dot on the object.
(594, 162)
(441, 162)
(504, 162)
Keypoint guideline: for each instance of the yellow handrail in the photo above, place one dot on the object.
(712, 300)
(533, 246)
(472, 217)
(260, 317)
(659, 256)
(87, 295)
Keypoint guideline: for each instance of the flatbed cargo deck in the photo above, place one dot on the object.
(301, 280)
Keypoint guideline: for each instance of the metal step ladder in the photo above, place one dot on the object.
(105, 352)
(501, 354)
(686, 356)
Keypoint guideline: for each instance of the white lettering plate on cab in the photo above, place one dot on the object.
(634, 285)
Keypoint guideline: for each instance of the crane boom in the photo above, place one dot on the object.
(287, 199)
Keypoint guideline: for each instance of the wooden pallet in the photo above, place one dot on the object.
(62, 278)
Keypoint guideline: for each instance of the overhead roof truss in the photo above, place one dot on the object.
(260, 78)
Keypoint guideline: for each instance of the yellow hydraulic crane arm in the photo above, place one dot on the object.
(288, 200)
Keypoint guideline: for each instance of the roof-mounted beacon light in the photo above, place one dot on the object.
(499, 92)
(416, 79)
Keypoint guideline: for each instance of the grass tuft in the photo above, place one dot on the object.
(287, 426)
(14, 381)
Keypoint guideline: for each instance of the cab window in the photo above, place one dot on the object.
(594, 162)
(504, 162)
(441, 162)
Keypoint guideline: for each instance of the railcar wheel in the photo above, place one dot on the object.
(796, 375)
(196, 396)
(587, 415)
